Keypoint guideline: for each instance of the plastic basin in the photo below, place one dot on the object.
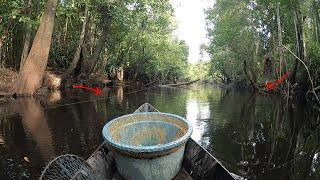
(148, 145)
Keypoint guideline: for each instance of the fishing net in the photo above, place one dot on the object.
(67, 167)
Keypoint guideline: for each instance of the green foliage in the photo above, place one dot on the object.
(232, 37)
(235, 27)
(200, 70)
(141, 42)
(139, 36)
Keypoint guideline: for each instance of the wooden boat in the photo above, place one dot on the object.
(197, 162)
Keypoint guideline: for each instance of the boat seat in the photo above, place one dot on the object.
(182, 175)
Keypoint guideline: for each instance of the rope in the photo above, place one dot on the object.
(80, 102)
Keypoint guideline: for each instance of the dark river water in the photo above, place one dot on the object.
(254, 136)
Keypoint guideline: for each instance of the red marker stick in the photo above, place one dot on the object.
(97, 91)
(272, 85)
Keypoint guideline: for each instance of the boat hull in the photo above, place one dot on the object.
(197, 163)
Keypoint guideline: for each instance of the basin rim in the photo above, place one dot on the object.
(146, 149)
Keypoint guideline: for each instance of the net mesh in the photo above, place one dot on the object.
(67, 167)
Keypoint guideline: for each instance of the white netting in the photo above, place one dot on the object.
(67, 167)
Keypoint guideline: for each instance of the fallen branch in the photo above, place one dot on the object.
(182, 84)
(151, 83)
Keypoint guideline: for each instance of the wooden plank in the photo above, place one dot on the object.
(183, 175)
(202, 165)
(103, 163)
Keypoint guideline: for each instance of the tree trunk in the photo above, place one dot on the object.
(95, 56)
(27, 41)
(66, 29)
(103, 64)
(26, 46)
(280, 48)
(1, 64)
(296, 62)
(245, 69)
(0, 45)
(32, 73)
(303, 81)
(3, 38)
(90, 64)
(316, 20)
(253, 65)
(77, 54)
(274, 55)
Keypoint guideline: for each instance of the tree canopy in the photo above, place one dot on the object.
(135, 35)
(250, 41)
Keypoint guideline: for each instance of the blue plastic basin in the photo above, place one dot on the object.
(148, 145)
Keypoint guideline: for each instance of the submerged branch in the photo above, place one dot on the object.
(181, 84)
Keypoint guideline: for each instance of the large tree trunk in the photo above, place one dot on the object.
(103, 64)
(95, 55)
(296, 63)
(89, 64)
(32, 73)
(27, 42)
(245, 69)
(253, 65)
(77, 54)
(300, 46)
(26, 46)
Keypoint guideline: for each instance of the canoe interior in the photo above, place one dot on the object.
(197, 162)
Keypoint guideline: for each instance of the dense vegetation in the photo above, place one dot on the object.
(251, 40)
(251, 43)
(90, 37)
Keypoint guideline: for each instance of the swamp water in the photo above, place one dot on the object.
(254, 136)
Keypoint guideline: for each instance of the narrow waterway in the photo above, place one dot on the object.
(254, 136)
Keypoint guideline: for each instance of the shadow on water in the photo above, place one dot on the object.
(255, 136)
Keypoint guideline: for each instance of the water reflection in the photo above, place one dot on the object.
(253, 135)
(35, 124)
(119, 94)
(256, 136)
(198, 114)
(53, 97)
